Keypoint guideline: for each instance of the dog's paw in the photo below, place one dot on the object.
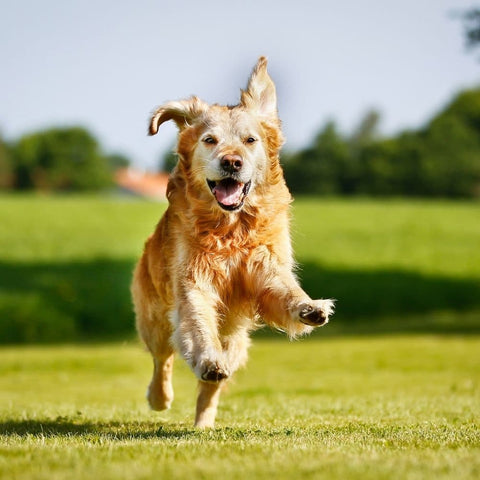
(159, 400)
(316, 313)
(212, 372)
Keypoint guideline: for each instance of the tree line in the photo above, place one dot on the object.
(57, 159)
(442, 159)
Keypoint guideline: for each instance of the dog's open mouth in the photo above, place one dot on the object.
(229, 193)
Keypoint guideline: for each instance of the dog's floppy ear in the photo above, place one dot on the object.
(182, 112)
(260, 95)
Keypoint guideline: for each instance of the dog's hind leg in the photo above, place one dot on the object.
(155, 330)
(160, 390)
(207, 403)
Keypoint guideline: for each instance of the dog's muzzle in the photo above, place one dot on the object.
(229, 193)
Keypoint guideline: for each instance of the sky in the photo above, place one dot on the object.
(107, 64)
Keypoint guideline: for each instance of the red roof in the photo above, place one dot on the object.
(150, 185)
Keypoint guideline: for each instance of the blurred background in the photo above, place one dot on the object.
(380, 103)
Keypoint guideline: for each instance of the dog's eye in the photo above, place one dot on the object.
(210, 140)
(251, 140)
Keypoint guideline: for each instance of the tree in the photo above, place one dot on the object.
(440, 159)
(117, 160)
(452, 147)
(376, 168)
(320, 168)
(60, 159)
(471, 22)
(168, 161)
(6, 169)
(366, 132)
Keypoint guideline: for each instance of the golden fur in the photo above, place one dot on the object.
(219, 263)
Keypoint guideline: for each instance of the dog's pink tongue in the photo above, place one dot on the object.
(228, 193)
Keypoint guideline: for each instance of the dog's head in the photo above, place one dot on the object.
(227, 153)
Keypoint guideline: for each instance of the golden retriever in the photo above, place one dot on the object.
(220, 262)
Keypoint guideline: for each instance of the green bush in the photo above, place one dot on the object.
(61, 159)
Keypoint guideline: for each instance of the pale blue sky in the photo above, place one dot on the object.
(107, 64)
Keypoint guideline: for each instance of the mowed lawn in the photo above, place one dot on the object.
(338, 408)
(393, 265)
(337, 405)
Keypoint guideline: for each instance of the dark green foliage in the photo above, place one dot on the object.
(322, 168)
(6, 168)
(440, 160)
(169, 161)
(117, 160)
(58, 159)
(471, 20)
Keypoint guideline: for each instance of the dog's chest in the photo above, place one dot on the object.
(238, 270)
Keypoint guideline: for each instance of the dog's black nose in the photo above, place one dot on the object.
(231, 163)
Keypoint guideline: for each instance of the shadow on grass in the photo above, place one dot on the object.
(121, 431)
(90, 430)
(395, 300)
(65, 301)
(91, 300)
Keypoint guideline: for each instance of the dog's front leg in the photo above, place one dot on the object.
(196, 334)
(207, 403)
(285, 305)
(196, 337)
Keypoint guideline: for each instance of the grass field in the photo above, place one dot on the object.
(389, 390)
(66, 262)
(338, 408)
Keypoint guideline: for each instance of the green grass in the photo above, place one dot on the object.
(393, 265)
(75, 228)
(369, 406)
(430, 237)
(66, 265)
(435, 238)
(406, 265)
(356, 408)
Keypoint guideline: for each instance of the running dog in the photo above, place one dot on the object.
(220, 261)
